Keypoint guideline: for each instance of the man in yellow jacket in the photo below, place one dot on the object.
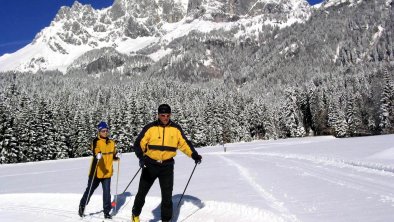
(155, 147)
(100, 170)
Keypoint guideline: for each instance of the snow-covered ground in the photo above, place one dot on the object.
(307, 179)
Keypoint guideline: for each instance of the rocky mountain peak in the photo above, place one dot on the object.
(77, 10)
(131, 25)
(158, 10)
(228, 10)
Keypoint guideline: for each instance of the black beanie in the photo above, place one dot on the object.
(164, 108)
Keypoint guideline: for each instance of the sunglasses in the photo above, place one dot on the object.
(164, 115)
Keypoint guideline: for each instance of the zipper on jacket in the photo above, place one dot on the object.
(164, 128)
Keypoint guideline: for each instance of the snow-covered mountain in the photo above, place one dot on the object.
(132, 25)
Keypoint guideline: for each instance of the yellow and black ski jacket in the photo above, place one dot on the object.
(107, 148)
(158, 143)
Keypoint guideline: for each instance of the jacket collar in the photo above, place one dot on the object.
(159, 123)
(100, 138)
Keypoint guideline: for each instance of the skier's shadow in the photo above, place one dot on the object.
(120, 201)
(95, 213)
(175, 200)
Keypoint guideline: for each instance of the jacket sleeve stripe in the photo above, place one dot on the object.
(185, 138)
(162, 148)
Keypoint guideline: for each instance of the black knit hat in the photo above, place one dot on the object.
(164, 108)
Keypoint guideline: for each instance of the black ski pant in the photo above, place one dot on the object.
(165, 173)
(106, 184)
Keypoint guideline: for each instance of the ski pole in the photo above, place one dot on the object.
(186, 185)
(132, 180)
(113, 204)
(91, 183)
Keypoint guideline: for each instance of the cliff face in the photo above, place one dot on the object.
(130, 25)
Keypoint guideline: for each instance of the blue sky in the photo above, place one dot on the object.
(21, 20)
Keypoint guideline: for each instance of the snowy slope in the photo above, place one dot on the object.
(308, 179)
(330, 3)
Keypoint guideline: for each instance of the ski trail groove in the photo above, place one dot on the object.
(39, 210)
(331, 174)
(349, 180)
(70, 215)
(359, 166)
(273, 202)
(39, 172)
(312, 166)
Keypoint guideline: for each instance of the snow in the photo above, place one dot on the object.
(317, 6)
(330, 3)
(377, 35)
(387, 154)
(136, 44)
(302, 179)
(337, 52)
(184, 4)
(26, 58)
(156, 56)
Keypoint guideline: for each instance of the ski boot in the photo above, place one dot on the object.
(107, 216)
(81, 210)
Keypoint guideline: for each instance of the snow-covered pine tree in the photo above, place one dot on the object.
(198, 136)
(9, 141)
(61, 124)
(318, 106)
(257, 130)
(24, 129)
(231, 123)
(268, 123)
(353, 115)
(387, 105)
(291, 116)
(80, 138)
(3, 127)
(336, 119)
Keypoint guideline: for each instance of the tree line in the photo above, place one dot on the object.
(332, 75)
(49, 115)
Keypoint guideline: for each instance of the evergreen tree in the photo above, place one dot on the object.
(24, 129)
(387, 105)
(319, 114)
(291, 117)
(336, 119)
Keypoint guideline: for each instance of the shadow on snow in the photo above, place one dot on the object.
(175, 200)
(120, 201)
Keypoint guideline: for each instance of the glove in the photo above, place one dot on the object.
(197, 158)
(98, 156)
(117, 156)
(142, 163)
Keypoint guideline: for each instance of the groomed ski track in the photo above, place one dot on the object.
(293, 180)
